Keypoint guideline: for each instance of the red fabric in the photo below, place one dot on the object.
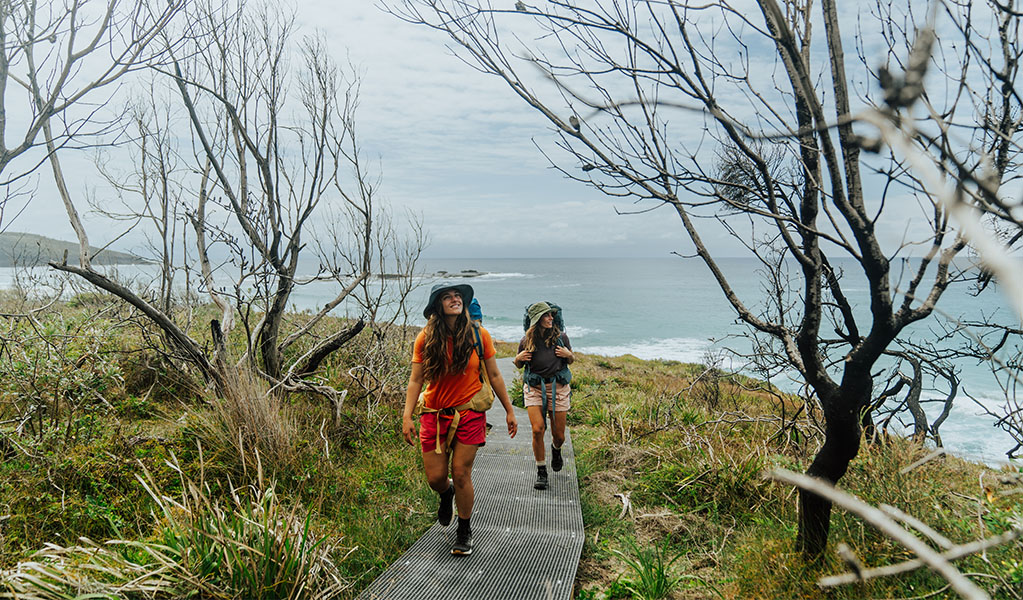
(454, 389)
(472, 429)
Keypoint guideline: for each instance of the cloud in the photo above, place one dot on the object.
(459, 148)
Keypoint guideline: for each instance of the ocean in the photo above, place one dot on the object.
(671, 308)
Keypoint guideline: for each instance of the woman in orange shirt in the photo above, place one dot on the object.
(445, 356)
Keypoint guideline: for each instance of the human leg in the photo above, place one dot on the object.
(536, 421)
(558, 439)
(462, 458)
(558, 430)
(436, 468)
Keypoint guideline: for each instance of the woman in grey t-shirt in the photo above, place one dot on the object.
(546, 352)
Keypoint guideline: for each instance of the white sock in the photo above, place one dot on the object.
(541, 463)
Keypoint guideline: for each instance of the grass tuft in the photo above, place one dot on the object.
(251, 547)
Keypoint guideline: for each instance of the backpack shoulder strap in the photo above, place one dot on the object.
(479, 352)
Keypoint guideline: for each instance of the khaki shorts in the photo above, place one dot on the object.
(532, 396)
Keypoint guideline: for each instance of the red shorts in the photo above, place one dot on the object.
(472, 429)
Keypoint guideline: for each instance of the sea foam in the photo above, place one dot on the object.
(681, 349)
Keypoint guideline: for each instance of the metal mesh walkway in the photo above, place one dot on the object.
(526, 542)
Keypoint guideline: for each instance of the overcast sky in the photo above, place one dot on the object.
(459, 147)
(456, 146)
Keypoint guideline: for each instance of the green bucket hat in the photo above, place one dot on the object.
(462, 288)
(537, 310)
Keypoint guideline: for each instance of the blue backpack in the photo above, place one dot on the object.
(475, 311)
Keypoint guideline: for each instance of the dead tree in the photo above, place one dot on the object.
(273, 145)
(58, 63)
(645, 97)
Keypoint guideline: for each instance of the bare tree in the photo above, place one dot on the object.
(274, 143)
(271, 162)
(910, 532)
(151, 189)
(58, 57)
(713, 110)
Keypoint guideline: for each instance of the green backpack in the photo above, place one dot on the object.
(562, 377)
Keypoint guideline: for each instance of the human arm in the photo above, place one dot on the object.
(497, 383)
(564, 350)
(415, 386)
(522, 357)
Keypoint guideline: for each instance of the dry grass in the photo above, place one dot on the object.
(254, 423)
(688, 452)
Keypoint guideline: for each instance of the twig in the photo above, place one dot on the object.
(926, 459)
(917, 524)
(953, 553)
(851, 560)
(966, 588)
(326, 442)
(626, 504)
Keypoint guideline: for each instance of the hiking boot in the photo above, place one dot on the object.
(463, 541)
(556, 460)
(541, 479)
(444, 510)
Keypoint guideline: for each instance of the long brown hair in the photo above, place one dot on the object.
(435, 349)
(536, 337)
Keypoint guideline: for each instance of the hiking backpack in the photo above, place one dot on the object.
(564, 376)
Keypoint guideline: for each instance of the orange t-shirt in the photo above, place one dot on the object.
(454, 389)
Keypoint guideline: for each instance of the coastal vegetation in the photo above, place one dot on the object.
(124, 475)
(198, 436)
(802, 130)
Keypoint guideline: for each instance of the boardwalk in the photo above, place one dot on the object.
(526, 543)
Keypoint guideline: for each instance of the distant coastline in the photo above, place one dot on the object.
(464, 273)
(32, 250)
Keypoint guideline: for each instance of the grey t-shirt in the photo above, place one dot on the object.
(545, 363)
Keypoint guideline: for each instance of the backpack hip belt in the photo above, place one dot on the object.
(456, 416)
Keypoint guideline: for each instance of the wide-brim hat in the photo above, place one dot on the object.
(462, 288)
(536, 311)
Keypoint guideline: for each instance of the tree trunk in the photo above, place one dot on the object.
(841, 445)
(913, 402)
(270, 331)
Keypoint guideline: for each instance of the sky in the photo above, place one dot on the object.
(449, 144)
(454, 146)
(458, 147)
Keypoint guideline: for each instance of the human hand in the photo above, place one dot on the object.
(513, 425)
(523, 357)
(563, 352)
(408, 430)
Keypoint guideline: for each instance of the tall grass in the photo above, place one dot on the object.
(251, 420)
(251, 547)
(692, 474)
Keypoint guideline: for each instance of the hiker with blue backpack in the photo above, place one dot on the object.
(455, 357)
(545, 351)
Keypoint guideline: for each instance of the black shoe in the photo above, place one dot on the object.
(541, 479)
(444, 509)
(463, 542)
(556, 461)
